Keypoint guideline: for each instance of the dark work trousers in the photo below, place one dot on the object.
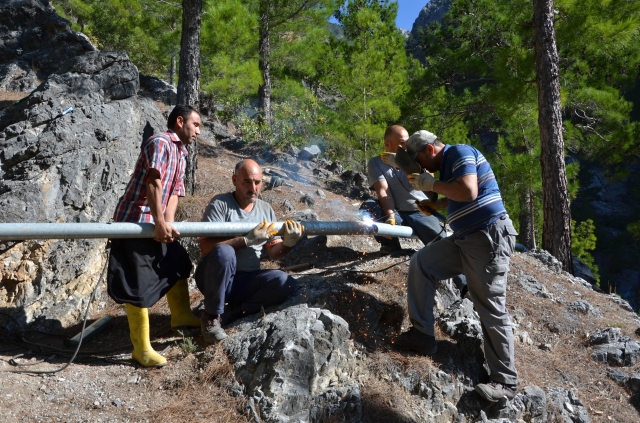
(218, 281)
(483, 256)
(427, 229)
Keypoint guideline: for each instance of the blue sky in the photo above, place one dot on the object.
(408, 11)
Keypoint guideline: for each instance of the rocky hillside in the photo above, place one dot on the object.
(326, 355)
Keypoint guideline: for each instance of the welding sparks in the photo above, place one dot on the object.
(367, 221)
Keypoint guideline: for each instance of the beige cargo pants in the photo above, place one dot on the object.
(483, 257)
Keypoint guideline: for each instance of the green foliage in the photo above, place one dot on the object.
(229, 62)
(298, 121)
(368, 68)
(187, 346)
(149, 31)
(583, 242)
(634, 230)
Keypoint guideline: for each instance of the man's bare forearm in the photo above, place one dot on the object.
(154, 197)
(209, 243)
(172, 208)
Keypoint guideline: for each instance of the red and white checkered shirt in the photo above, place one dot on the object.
(165, 153)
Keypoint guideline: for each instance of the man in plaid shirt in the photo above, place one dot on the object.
(141, 271)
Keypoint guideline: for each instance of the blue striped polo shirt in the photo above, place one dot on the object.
(466, 217)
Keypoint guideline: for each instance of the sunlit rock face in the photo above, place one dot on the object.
(65, 167)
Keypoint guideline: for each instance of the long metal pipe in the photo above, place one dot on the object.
(24, 231)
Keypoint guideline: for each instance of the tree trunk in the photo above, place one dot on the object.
(189, 77)
(556, 235)
(172, 69)
(264, 62)
(527, 233)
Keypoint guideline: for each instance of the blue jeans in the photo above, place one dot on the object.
(427, 228)
(218, 281)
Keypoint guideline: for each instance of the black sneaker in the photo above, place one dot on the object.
(414, 340)
(211, 327)
(495, 391)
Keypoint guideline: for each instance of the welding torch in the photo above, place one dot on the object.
(430, 208)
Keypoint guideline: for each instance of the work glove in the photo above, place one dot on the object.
(426, 207)
(260, 234)
(389, 158)
(390, 221)
(292, 232)
(422, 181)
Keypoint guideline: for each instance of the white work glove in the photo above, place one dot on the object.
(292, 232)
(260, 234)
(422, 181)
(389, 158)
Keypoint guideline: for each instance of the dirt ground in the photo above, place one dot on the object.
(104, 385)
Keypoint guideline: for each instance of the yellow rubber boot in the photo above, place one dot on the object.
(178, 299)
(143, 353)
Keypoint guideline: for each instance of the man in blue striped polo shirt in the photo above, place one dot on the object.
(481, 247)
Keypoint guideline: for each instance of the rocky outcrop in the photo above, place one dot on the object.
(566, 407)
(610, 347)
(433, 11)
(34, 42)
(295, 366)
(67, 167)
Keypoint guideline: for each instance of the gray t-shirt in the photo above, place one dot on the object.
(403, 194)
(225, 208)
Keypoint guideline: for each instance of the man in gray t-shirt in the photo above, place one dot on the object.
(396, 203)
(229, 274)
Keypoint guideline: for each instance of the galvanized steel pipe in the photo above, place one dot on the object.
(24, 231)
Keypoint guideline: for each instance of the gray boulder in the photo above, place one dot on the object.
(308, 199)
(159, 90)
(335, 167)
(610, 347)
(545, 257)
(295, 365)
(305, 216)
(622, 303)
(533, 286)
(528, 406)
(309, 153)
(34, 37)
(566, 407)
(71, 167)
(219, 131)
(623, 353)
(581, 270)
(322, 173)
(582, 306)
(361, 181)
(17, 76)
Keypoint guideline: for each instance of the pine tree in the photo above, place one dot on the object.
(368, 70)
(479, 82)
(189, 77)
(275, 19)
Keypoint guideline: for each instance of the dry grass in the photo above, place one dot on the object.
(569, 363)
(8, 98)
(203, 395)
